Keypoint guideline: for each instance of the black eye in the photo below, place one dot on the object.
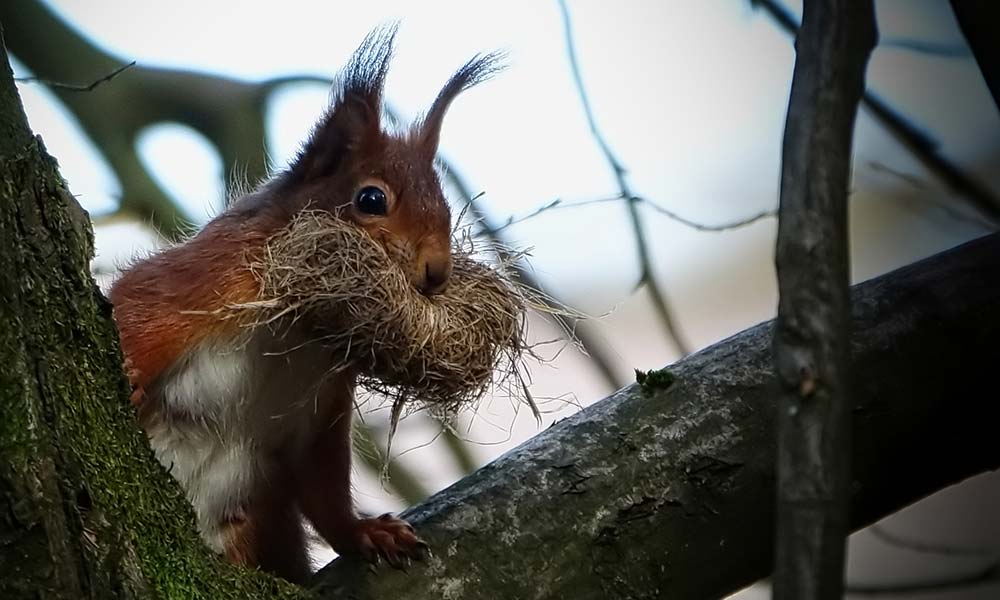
(371, 200)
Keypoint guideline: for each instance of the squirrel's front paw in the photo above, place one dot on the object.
(388, 538)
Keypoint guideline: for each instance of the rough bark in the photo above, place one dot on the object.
(666, 489)
(812, 331)
(85, 510)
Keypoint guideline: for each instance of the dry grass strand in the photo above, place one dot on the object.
(441, 352)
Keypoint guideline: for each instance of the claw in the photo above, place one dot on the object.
(390, 539)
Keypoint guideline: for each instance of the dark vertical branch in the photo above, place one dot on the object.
(978, 20)
(812, 336)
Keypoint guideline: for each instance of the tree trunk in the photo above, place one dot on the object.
(85, 510)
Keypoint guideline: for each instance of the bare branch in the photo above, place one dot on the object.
(917, 142)
(767, 214)
(647, 278)
(76, 88)
(558, 204)
(812, 332)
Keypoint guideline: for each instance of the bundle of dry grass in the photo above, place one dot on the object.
(443, 352)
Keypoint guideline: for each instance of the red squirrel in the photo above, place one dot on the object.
(248, 420)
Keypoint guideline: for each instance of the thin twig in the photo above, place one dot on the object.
(922, 146)
(767, 214)
(558, 204)
(647, 277)
(69, 87)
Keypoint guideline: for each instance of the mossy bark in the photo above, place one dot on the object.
(85, 510)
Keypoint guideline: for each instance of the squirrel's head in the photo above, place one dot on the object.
(384, 182)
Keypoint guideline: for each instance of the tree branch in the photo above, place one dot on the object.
(812, 333)
(558, 204)
(920, 145)
(633, 496)
(72, 87)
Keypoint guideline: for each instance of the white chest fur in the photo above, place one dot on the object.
(228, 411)
(202, 440)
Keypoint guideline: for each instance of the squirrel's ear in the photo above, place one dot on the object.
(480, 68)
(355, 112)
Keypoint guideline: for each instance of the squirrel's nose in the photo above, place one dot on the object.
(436, 272)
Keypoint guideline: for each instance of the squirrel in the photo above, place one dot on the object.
(249, 420)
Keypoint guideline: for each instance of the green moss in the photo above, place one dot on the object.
(653, 381)
(67, 402)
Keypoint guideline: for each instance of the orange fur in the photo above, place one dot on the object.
(166, 304)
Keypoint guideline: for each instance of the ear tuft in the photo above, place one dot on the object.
(355, 110)
(477, 70)
(364, 76)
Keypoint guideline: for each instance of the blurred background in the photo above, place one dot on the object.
(679, 106)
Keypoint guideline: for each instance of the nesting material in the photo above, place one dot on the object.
(440, 352)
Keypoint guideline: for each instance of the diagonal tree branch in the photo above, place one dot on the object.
(633, 496)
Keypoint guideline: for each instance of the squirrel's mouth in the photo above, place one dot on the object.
(445, 349)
